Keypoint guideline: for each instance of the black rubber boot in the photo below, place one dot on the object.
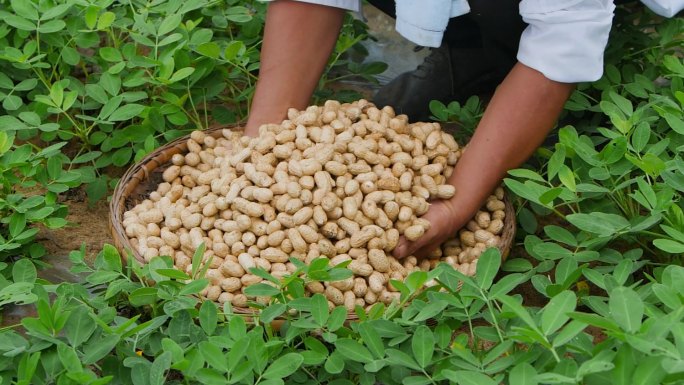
(445, 75)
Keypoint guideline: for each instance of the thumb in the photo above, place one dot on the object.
(405, 248)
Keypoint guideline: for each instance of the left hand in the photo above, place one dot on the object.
(445, 219)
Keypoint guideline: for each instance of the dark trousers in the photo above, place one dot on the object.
(493, 25)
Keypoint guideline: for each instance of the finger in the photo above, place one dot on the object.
(426, 249)
(406, 247)
(401, 251)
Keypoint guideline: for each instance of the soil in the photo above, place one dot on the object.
(88, 224)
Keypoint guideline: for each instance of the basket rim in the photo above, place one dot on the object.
(160, 157)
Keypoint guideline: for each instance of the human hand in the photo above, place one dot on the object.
(445, 219)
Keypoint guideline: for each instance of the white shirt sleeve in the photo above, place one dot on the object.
(424, 22)
(349, 5)
(667, 8)
(565, 40)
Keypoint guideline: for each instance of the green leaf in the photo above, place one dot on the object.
(416, 380)
(551, 251)
(463, 377)
(372, 339)
(194, 287)
(233, 49)
(334, 364)
(555, 378)
(67, 355)
(159, 367)
(127, 112)
(487, 267)
(625, 363)
(17, 225)
(51, 26)
(675, 123)
(555, 312)
(319, 309)
(143, 296)
(627, 308)
(111, 257)
(98, 349)
(262, 290)
(172, 273)
(649, 371)
(415, 280)
(641, 136)
(526, 174)
(423, 345)
(169, 24)
(55, 11)
(567, 177)
(79, 327)
(505, 285)
(91, 16)
(519, 310)
(5, 142)
(54, 167)
(106, 20)
(523, 374)
(595, 320)
(669, 246)
(197, 259)
(237, 327)
(111, 84)
(111, 54)
(86, 157)
(208, 317)
(272, 312)
(23, 270)
(560, 234)
(337, 318)
(570, 331)
(209, 49)
(400, 358)
(181, 74)
(352, 350)
(25, 8)
(214, 356)
(284, 366)
(19, 23)
(599, 223)
(649, 163)
(594, 366)
(12, 102)
(667, 296)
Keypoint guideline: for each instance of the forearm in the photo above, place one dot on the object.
(298, 40)
(523, 110)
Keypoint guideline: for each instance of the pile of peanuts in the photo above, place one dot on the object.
(344, 181)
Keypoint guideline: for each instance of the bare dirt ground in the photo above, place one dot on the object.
(88, 224)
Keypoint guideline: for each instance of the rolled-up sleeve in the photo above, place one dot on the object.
(349, 5)
(565, 40)
(667, 8)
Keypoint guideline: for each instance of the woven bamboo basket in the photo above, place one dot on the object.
(142, 178)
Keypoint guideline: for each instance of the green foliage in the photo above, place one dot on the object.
(120, 78)
(345, 64)
(118, 329)
(31, 178)
(466, 116)
(616, 174)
